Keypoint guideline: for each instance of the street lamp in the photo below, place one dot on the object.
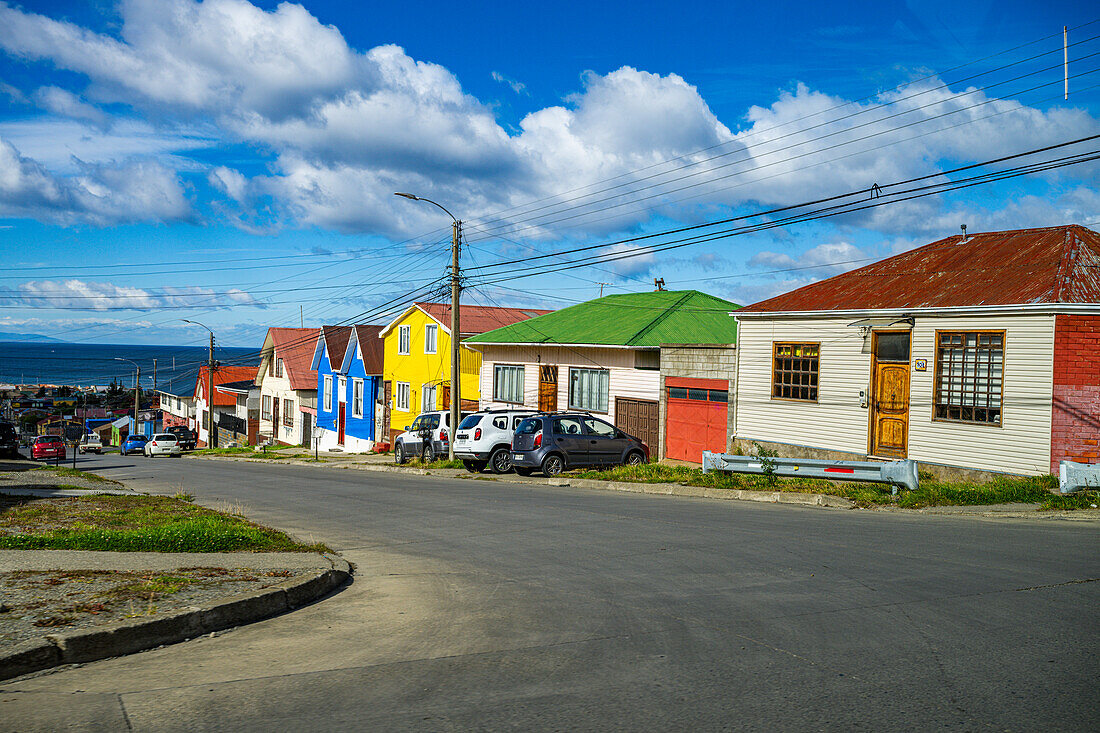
(456, 234)
(137, 387)
(209, 386)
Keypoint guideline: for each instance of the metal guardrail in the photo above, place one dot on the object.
(895, 473)
(1078, 476)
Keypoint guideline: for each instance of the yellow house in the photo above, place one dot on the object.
(416, 370)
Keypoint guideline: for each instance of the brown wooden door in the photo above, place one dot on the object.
(274, 418)
(890, 396)
(548, 388)
(341, 417)
(640, 418)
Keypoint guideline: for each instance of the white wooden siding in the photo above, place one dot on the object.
(837, 422)
(625, 380)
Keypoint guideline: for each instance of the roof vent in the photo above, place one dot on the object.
(963, 227)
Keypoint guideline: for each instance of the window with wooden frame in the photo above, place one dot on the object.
(969, 376)
(265, 404)
(794, 371)
(278, 367)
(288, 413)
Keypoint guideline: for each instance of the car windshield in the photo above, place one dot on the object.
(469, 422)
(529, 426)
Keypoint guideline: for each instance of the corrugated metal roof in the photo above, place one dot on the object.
(1025, 266)
(295, 347)
(371, 348)
(336, 343)
(631, 319)
(223, 375)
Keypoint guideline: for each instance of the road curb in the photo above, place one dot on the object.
(134, 635)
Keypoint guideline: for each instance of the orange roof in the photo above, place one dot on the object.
(1025, 266)
(223, 375)
(479, 318)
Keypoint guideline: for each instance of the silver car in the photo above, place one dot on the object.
(427, 438)
(163, 444)
(485, 439)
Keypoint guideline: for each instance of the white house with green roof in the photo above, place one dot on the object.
(602, 356)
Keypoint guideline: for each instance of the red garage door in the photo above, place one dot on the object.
(696, 417)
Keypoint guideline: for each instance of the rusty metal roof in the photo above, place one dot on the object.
(1025, 266)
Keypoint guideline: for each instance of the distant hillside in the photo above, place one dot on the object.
(35, 337)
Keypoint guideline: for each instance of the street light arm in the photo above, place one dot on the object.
(196, 323)
(414, 197)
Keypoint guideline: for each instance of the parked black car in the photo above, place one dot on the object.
(554, 442)
(186, 437)
(9, 440)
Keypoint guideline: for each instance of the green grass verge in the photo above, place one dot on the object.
(244, 451)
(134, 524)
(74, 473)
(1005, 490)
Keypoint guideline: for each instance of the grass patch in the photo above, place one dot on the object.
(245, 451)
(68, 472)
(135, 524)
(1003, 490)
(438, 463)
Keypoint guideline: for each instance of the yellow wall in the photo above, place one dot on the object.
(420, 369)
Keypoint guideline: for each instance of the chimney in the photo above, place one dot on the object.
(963, 227)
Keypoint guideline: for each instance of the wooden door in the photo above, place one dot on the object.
(548, 388)
(890, 396)
(640, 418)
(274, 418)
(340, 424)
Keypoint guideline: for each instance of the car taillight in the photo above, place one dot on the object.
(538, 439)
(443, 435)
(153, 443)
(477, 434)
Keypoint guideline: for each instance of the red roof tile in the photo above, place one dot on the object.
(1025, 266)
(295, 347)
(371, 347)
(223, 375)
(479, 318)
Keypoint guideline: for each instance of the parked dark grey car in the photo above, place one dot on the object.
(554, 442)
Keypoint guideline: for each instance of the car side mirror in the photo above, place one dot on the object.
(407, 428)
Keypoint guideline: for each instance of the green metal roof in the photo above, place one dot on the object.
(631, 319)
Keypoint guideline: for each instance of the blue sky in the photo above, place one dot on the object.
(234, 163)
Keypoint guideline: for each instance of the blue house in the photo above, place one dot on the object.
(348, 360)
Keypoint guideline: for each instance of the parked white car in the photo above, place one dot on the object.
(163, 444)
(485, 439)
(426, 438)
(90, 442)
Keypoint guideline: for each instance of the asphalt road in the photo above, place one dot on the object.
(486, 606)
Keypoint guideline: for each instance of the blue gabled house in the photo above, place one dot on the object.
(348, 360)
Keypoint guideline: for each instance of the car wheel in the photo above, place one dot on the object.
(399, 454)
(635, 458)
(552, 465)
(521, 471)
(428, 456)
(501, 460)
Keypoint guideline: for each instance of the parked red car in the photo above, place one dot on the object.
(47, 446)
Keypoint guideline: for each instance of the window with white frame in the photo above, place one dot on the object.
(278, 367)
(288, 413)
(401, 397)
(427, 398)
(265, 407)
(403, 336)
(431, 332)
(508, 383)
(588, 389)
(328, 393)
(357, 398)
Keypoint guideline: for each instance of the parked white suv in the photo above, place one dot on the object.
(485, 439)
(427, 438)
(163, 444)
(90, 442)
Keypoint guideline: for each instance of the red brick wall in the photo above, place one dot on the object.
(1075, 422)
(171, 421)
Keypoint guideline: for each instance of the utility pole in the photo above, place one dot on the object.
(456, 345)
(137, 395)
(601, 287)
(210, 395)
(456, 360)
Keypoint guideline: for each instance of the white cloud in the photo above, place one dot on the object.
(517, 86)
(103, 296)
(825, 260)
(101, 195)
(344, 128)
(67, 104)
